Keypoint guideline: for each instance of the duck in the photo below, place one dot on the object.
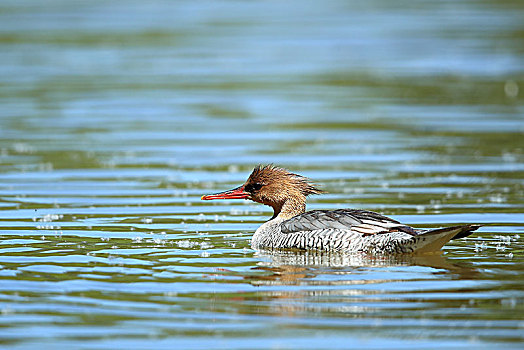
(346, 230)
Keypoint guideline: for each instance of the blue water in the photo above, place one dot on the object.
(116, 117)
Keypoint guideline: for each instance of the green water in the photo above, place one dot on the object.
(115, 117)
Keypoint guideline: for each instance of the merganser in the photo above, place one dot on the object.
(348, 230)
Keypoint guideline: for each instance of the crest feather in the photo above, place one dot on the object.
(265, 174)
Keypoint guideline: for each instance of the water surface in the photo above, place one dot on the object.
(117, 116)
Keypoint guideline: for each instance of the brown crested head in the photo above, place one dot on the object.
(277, 187)
(272, 185)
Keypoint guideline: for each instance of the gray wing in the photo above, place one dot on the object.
(358, 222)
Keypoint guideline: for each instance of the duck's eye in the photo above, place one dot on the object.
(253, 187)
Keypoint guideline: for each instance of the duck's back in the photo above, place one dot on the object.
(350, 230)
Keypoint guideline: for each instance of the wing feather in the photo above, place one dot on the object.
(361, 222)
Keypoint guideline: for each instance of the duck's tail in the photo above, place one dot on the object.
(433, 240)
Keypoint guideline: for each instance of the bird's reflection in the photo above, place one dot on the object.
(293, 267)
(305, 283)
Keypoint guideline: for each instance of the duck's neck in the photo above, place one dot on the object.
(289, 208)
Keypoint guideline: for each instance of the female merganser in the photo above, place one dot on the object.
(350, 230)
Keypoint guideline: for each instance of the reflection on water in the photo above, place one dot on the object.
(117, 116)
(300, 267)
(340, 259)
